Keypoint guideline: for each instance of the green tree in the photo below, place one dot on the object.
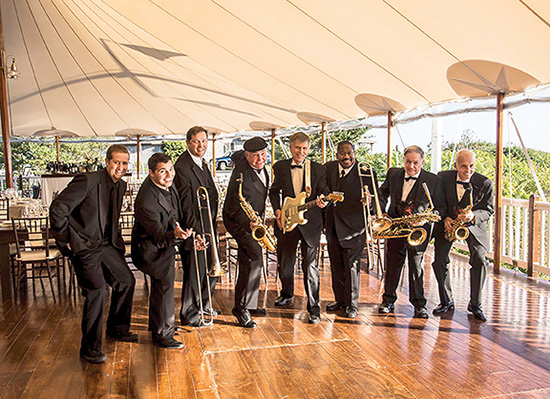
(174, 148)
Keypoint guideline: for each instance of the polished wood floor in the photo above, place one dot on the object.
(372, 356)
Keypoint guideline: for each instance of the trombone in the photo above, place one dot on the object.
(215, 269)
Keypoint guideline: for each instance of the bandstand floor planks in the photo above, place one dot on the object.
(372, 356)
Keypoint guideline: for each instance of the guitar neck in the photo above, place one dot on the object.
(307, 205)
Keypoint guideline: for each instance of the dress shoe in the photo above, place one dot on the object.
(211, 312)
(351, 312)
(127, 336)
(283, 301)
(334, 306)
(444, 308)
(93, 355)
(243, 318)
(420, 313)
(313, 318)
(386, 307)
(477, 312)
(258, 312)
(168, 343)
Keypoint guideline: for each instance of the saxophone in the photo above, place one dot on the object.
(404, 226)
(457, 230)
(260, 233)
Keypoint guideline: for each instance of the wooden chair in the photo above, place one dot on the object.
(34, 253)
(126, 224)
(4, 208)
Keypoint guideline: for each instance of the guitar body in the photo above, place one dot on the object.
(290, 215)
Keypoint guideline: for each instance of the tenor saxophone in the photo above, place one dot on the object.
(260, 233)
(458, 231)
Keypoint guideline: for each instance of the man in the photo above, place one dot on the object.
(455, 189)
(293, 176)
(345, 228)
(403, 186)
(154, 237)
(192, 172)
(250, 172)
(84, 222)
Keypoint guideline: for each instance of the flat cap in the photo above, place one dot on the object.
(255, 144)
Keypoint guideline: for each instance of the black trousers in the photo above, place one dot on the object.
(190, 303)
(95, 269)
(345, 267)
(250, 258)
(397, 249)
(162, 321)
(478, 271)
(289, 244)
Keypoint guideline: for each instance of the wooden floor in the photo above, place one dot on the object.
(371, 356)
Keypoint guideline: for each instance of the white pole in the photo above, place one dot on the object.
(436, 145)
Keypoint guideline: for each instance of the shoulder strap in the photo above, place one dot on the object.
(307, 182)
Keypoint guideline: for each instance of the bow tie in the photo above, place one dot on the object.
(410, 178)
(465, 184)
(295, 166)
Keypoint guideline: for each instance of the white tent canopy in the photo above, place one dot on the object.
(95, 67)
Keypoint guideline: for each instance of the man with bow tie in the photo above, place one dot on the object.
(293, 176)
(192, 172)
(457, 188)
(403, 186)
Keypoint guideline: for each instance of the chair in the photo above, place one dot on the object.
(33, 250)
(232, 247)
(322, 252)
(126, 224)
(4, 208)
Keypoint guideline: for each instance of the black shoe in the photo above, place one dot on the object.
(351, 312)
(386, 307)
(127, 336)
(421, 313)
(243, 318)
(93, 355)
(211, 312)
(313, 318)
(444, 308)
(477, 312)
(168, 343)
(258, 312)
(283, 301)
(334, 306)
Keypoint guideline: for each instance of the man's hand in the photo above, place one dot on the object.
(467, 217)
(278, 218)
(253, 225)
(366, 198)
(321, 202)
(200, 242)
(182, 234)
(448, 223)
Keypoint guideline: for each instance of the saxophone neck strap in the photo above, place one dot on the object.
(307, 177)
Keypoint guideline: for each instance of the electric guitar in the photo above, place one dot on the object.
(292, 211)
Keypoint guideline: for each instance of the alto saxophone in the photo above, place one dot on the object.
(458, 231)
(260, 233)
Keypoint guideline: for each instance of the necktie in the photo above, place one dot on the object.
(465, 184)
(295, 166)
(342, 174)
(410, 178)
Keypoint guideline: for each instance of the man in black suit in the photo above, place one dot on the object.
(84, 222)
(403, 186)
(345, 227)
(154, 237)
(455, 189)
(192, 172)
(293, 176)
(250, 172)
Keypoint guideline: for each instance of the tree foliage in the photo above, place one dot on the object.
(174, 148)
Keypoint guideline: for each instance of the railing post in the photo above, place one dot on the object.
(533, 239)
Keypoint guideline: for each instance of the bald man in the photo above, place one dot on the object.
(451, 196)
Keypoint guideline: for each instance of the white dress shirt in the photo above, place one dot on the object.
(297, 175)
(460, 190)
(408, 185)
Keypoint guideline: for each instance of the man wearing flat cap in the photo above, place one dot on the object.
(250, 172)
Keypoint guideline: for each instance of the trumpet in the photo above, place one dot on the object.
(404, 226)
(260, 233)
(458, 231)
(215, 269)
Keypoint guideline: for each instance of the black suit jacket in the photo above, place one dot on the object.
(446, 203)
(282, 188)
(347, 218)
(235, 220)
(153, 240)
(77, 216)
(188, 178)
(392, 189)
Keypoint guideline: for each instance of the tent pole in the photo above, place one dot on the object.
(324, 142)
(137, 155)
(390, 122)
(272, 151)
(497, 239)
(4, 111)
(214, 154)
(57, 147)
